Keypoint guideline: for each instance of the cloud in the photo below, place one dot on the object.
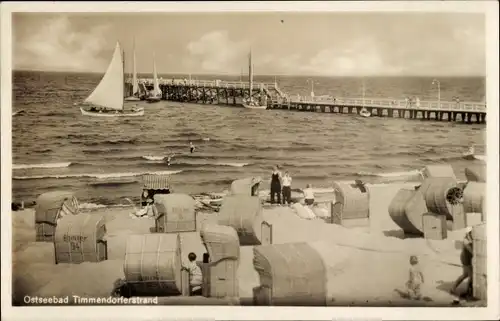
(215, 52)
(360, 57)
(57, 45)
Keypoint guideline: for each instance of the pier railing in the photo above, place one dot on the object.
(328, 99)
(208, 83)
(391, 103)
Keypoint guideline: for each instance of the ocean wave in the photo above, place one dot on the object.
(231, 164)
(414, 172)
(161, 159)
(441, 159)
(53, 113)
(44, 151)
(131, 141)
(96, 175)
(103, 151)
(112, 183)
(47, 165)
(154, 158)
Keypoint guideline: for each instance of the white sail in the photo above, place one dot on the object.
(156, 86)
(109, 92)
(250, 73)
(135, 87)
(363, 93)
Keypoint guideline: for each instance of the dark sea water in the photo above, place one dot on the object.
(55, 147)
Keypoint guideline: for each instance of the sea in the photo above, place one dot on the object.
(102, 160)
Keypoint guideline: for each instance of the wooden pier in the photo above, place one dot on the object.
(232, 93)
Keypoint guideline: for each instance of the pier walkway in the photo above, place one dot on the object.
(232, 93)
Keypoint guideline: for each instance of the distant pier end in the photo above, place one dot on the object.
(233, 93)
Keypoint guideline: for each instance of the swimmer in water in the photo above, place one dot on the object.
(169, 159)
(191, 147)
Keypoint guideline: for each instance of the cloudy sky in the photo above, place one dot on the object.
(329, 44)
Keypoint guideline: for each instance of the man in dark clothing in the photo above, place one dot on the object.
(466, 260)
(276, 185)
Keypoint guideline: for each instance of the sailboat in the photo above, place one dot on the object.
(107, 98)
(364, 112)
(155, 96)
(136, 94)
(250, 102)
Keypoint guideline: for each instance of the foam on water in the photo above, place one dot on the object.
(161, 159)
(232, 164)
(154, 158)
(97, 175)
(47, 165)
(414, 172)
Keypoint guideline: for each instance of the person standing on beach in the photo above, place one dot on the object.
(287, 188)
(276, 185)
(466, 260)
(191, 147)
(308, 195)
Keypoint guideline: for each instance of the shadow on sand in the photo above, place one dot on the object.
(400, 234)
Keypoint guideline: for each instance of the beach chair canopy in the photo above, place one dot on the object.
(50, 205)
(221, 241)
(245, 186)
(156, 182)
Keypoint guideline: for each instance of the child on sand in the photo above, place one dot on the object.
(416, 279)
(191, 147)
(195, 276)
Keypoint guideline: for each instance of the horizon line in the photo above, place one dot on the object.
(264, 75)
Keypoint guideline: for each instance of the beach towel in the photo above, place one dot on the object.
(303, 211)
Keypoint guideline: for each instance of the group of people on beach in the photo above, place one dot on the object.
(281, 185)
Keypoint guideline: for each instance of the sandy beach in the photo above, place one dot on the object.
(365, 265)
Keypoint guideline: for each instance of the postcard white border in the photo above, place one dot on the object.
(489, 8)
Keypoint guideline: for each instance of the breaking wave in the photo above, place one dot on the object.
(47, 165)
(97, 175)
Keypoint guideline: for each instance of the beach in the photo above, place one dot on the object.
(366, 265)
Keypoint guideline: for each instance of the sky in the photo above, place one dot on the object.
(322, 44)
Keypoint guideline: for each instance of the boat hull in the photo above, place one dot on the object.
(364, 113)
(469, 156)
(139, 112)
(152, 99)
(254, 107)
